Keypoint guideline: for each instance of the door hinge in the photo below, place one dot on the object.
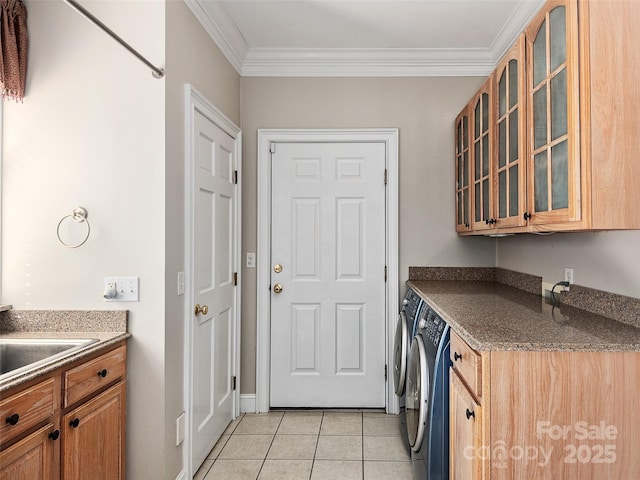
(233, 383)
(272, 147)
(235, 278)
(385, 176)
(235, 177)
(385, 372)
(385, 273)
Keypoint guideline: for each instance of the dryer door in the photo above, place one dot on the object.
(418, 390)
(400, 348)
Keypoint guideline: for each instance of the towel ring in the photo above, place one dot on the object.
(78, 215)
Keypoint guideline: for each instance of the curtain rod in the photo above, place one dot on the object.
(156, 72)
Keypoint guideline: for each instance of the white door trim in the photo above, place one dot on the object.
(265, 137)
(195, 101)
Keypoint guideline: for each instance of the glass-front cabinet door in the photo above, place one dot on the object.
(509, 161)
(552, 107)
(481, 144)
(463, 198)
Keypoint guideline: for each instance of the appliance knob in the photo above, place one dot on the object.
(422, 323)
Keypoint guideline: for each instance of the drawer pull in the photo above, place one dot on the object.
(54, 435)
(13, 419)
(76, 421)
(470, 414)
(102, 373)
(457, 356)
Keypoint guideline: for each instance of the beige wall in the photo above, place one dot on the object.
(90, 133)
(192, 57)
(608, 261)
(423, 109)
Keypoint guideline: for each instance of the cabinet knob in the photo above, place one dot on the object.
(13, 419)
(457, 356)
(76, 421)
(102, 373)
(470, 414)
(54, 435)
(526, 215)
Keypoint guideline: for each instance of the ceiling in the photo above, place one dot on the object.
(364, 37)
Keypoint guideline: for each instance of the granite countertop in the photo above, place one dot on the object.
(493, 316)
(108, 327)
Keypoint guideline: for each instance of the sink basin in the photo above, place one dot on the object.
(19, 355)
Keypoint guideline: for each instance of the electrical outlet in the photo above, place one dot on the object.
(568, 277)
(251, 260)
(126, 289)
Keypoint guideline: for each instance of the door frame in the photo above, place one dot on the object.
(195, 101)
(388, 136)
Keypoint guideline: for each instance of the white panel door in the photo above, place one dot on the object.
(328, 234)
(213, 330)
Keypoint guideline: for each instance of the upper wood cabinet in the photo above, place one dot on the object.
(481, 153)
(565, 153)
(509, 158)
(463, 196)
(553, 123)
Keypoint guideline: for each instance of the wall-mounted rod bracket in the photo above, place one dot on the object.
(155, 71)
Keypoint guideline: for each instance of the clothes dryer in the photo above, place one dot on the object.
(427, 398)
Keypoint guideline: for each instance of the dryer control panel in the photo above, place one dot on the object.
(431, 326)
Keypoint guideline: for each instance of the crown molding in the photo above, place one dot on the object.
(222, 30)
(367, 62)
(513, 27)
(364, 62)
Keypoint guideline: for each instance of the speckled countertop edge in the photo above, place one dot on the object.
(104, 340)
(500, 334)
(109, 327)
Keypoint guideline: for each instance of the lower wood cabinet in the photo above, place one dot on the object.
(93, 438)
(465, 433)
(567, 415)
(30, 458)
(69, 424)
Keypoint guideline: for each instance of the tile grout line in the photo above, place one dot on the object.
(362, 432)
(270, 445)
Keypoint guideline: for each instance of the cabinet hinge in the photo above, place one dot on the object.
(233, 383)
(385, 372)
(235, 177)
(235, 278)
(385, 273)
(272, 147)
(385, 176)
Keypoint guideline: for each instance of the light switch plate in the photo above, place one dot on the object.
(127, 289)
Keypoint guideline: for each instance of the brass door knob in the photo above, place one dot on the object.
(200, 309)
(277, 268)
(277, 288)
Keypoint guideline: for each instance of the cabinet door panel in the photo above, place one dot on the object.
(93, 438)
(482, 151)
(463, 200)
(510, 187)
(465, 433)
(29, 459)
(553, 115)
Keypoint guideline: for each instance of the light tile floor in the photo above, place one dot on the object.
(310, 445)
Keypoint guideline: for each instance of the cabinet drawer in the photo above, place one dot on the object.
(89, 377)
(26, 409)
(468, 363)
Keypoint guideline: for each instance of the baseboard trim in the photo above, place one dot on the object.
(248, 403)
